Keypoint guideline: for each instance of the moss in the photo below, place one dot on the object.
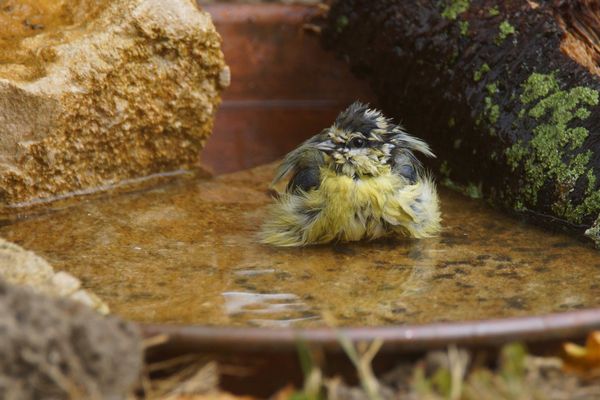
(550, 152)
(451, 122)
(484, 69)
(464, 28)
(494, 11)
(454, 8)
(505, 29)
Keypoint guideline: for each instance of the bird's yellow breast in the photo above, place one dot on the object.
(352, 209)
(347, 209)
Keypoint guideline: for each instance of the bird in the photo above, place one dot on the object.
(356, 180)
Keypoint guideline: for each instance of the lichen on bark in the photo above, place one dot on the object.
(454, 8)
(505, 30)
(552, 151)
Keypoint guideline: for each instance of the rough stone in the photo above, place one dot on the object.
(93, 93)
(58, 349)
(21, 267)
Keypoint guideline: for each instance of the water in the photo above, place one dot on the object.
(186, 252)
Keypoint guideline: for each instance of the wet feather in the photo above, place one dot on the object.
(358, 180)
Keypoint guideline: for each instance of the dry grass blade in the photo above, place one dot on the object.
(154, 341)
(204, 379)
(457, 362)
(362, 363)
(187, 375)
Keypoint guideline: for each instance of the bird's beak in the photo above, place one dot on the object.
(325, 146)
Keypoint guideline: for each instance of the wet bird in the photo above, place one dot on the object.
(357, 180)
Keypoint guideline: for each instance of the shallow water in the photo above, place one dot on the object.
(186, 252)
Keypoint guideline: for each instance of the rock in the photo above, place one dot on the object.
(58, 349)
(21, 267)
(94, 93)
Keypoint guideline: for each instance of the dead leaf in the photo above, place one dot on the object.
(212, 396)
(285, 393)
(583, 358)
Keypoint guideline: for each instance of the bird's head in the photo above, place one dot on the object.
(363, 142)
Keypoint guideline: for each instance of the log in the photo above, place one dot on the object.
(505, 91)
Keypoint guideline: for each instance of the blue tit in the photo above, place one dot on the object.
(357, 180)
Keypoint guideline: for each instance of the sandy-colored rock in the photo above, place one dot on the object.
(93, 93)
(21, 267)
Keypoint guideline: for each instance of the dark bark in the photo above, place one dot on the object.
(506, 92)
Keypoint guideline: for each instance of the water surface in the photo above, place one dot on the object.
(186, 252)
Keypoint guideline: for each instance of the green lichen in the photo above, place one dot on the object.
(492, 88)
(475, 191)
(454, 8)
(454, 56)
(515, 154)
(494, 11)
(484, 69)
(505, 29)
(594, 232)
(341, 23)
(591, 203)
(464, 28)
(519, 206)
(445, 169)
(491, 110)
(549, 153)
(451, 122)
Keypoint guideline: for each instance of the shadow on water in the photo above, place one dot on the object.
(186, 252)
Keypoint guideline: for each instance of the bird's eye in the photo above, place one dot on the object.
(358, 143)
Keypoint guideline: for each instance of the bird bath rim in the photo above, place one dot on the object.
(398, 339)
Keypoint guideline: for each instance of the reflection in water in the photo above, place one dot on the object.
(252, 272)
(273, 308)
(186, 252)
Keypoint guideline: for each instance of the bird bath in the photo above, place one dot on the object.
(185, 252)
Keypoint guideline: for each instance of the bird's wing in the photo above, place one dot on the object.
(405, 164)
(305, 179)
(304, 162)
